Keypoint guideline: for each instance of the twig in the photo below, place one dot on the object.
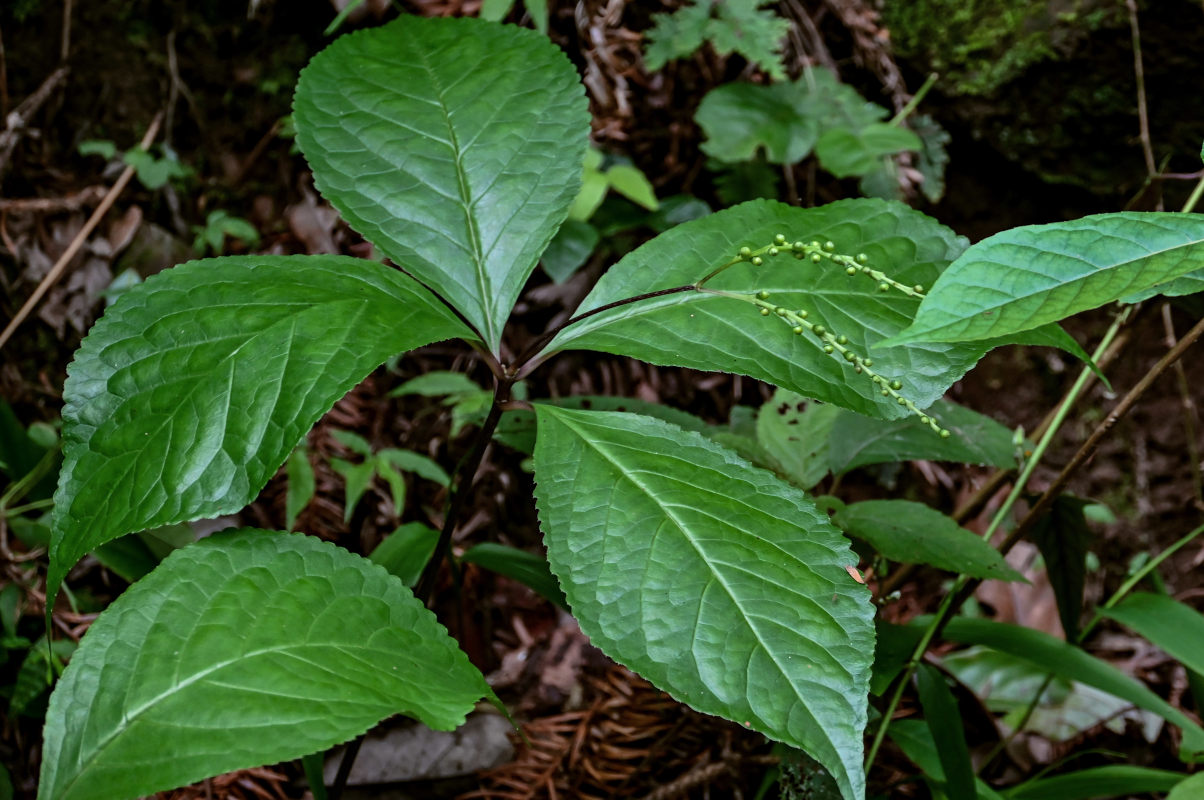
(16, 122)
(3, 79)
(1147, 149)
(1189, 409)
(1088, 449)
(61, 265)
(71, 202)
(65, 40)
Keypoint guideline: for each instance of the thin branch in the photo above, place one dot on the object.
(60, 266)
(1147, 149)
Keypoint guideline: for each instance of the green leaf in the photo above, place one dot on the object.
(36, 670)
(357, 478)
(1176, 628)
(945, 723)
(352, 441)
(712, 579)
(1063, 538)
(517, 427)
(913, 533)
(529, 569)
(458, 170)
(1118, 780)
(857, 440)
(420, 465)
(739, 119)
(496, 10)
(301, 485)
(1188, 789)
(247, 648)
(1026, 277)
(795, 436)
(195, 386)
(405, 551)
(128, 556)
(846, 153)
(915, 740)
(740, 26)
(630, 182)
(437, 384)
(569, 249)
(104, 148)
(538, 9)
(707, 331)
(1067, 661)
(933, 157)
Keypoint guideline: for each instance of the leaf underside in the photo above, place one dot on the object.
(247, 648)
(705, 331)
(715, 580)
(195, 386)
(453, 145)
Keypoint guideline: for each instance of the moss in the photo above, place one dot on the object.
(979, 45)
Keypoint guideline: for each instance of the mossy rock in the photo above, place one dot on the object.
(980, 45)
(1050, 84)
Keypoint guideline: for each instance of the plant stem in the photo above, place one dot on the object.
(461, 491)
(915, 100)
(964, 587)
(526, 362)
(465, 473)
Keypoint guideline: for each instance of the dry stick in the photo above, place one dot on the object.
(60, 266)
(16, 121)
(999, 477)
(1143, 119)
(65, 41)
(1101, 430)
(1189, 409)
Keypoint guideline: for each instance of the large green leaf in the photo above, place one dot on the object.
(1025, 277)
(915, 740)
(1068, 661)
(196, 385)
(739, 119)
(976, 439)
(715, 580)
(1115, 780)
(945, 724)
(247, 648)
(706, 331)
(1176, 628)
(913, 533)
(454, 145)
(848, 152)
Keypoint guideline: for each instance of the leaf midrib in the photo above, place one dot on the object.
(466, 203)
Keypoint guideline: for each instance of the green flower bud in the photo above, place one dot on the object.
(798, 329)
(773, 251)
(762, 295)
(816, 258)
(829, 246)
(902, 401)
(828, 348)
(919, 287)
(886, 392)
(945, 433)
(882, 287)
(765, 312)
(896, 385)
(862, 258)
(745, 252)
(867, 362)
(801, 313)
(819, 330)
(842, 339)
(756, 261)
(799, 245)
(851, 271)
(779, 239)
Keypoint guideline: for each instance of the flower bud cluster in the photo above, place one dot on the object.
(799, 322)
